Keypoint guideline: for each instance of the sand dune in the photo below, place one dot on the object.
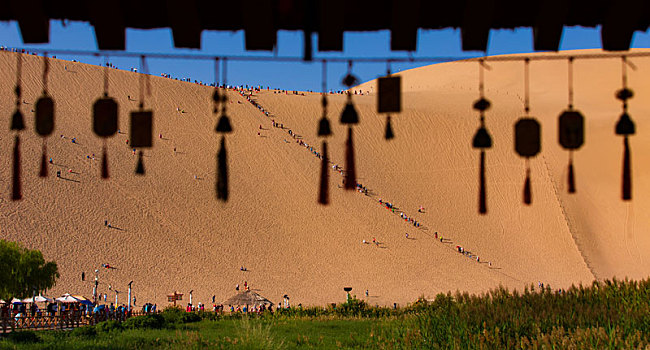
(174, 235)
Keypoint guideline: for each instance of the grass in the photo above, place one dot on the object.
(610, 314)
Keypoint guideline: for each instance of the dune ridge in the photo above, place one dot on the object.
(173, 235)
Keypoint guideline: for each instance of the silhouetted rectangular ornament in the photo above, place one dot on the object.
(141, 129)
(389, 97)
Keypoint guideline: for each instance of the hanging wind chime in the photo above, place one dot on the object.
(350, 117)
(223, 127)
(105, 121)
(141, 131)
(527, 136)
(571, 130)
(389, 99)
(324, 130)
(482, 140)
(17, 125)
(625, 127)
(44, 119)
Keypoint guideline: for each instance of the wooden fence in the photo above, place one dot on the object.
(66, 321)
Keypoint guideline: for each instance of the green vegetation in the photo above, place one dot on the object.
(605, 315)
(23, 271)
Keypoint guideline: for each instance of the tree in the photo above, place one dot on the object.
(23, 271)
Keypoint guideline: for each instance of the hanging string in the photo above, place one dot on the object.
(526, 87)
(388, 133)
(625, 127)
(17, 124)
(324, 77)
(571, 179)
(104, 170)
(141, 81)
(481, 86)
(527, 190)
(46, 71)
(16, 191)
(106, 76)
(223, 127)
(19, 68)
(44, 116)
(570, 82)
(482, 139)
(624, 69)
(324, 130)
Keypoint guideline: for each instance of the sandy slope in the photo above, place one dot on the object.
(174, 235)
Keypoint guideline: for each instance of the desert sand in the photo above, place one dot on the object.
(171, 234)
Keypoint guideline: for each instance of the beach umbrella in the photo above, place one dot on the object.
(37, 299)
(248, 298)
(67, 298)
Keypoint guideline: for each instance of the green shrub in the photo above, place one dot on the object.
(172, 315)
(23, 337)
(153, 321)
(109, 326)
(189, 317)
(84, 332)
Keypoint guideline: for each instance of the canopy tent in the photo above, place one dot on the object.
(67, 298)
(38, 299)
(248, 298)
(16, 301)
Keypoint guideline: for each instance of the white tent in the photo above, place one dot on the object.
(16, 301)
(37, 299)
(67, 298)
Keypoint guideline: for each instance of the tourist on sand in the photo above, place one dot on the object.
(237, 286)
(366, 292)
(407, 235)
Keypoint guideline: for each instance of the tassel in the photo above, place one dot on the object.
(323, 194)
(527, 191)
(350, 173)
(389, 135)
(105, 163)
(627, 175)
(222, 172)
(139, 169)
(16, 190)
(482, 201)
(43, 172)
(572, 185)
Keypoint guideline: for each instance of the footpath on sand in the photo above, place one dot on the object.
(362, 189)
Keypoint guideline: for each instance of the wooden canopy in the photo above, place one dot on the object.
(261, 19)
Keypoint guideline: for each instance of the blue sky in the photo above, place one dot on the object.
(291, 76)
